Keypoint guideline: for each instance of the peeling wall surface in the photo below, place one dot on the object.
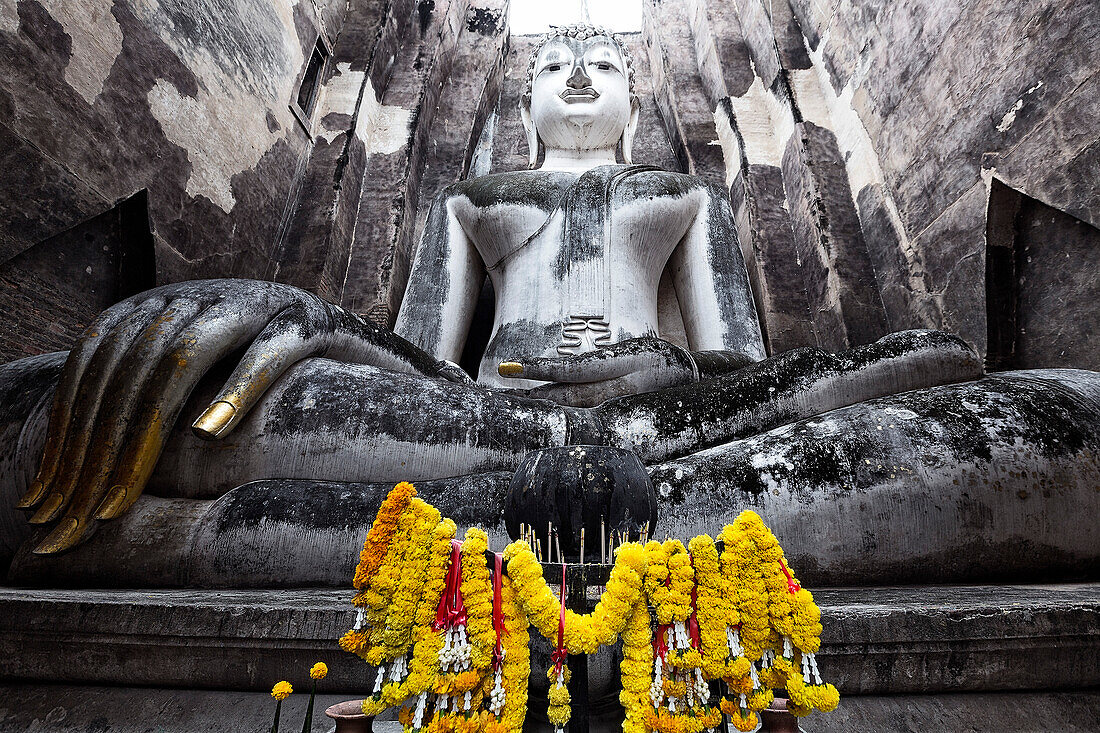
(189, 100)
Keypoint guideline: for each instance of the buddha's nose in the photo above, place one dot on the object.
(578, 79)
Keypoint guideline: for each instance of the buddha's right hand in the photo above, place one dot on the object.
(130, 373)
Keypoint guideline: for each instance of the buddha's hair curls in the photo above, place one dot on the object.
(582, 32)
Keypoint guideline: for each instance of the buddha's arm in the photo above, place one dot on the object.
(712, 286)
(443, 288)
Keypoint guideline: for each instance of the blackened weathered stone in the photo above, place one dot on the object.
(598, 488)
(983, 480)
(832, 245)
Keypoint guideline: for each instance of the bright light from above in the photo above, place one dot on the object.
(531, 17)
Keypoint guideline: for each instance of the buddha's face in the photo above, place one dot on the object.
(580, 94)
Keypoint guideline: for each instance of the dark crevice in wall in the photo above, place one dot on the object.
(53, 290)
(1042, 292)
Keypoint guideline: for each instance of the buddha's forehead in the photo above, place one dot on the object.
(564, 49)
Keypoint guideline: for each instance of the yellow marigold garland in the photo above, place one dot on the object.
(681, 579)
(749, 608)
(656, 580)
(711, 606)
(584, 634)
(636, 668)
(558, 711)
(477, 593)
(517, 660)
(752, 593)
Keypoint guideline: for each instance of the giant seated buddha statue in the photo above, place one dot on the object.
(241, 433)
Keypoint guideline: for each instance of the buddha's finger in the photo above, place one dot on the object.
(85, 406)
(593, 366)
(215, 334)
(67, 387)
(106, 405)
(645, 354)
(300, 331)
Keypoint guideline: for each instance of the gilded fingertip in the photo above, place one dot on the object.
(112, 504)
(64, 535)
(34, 495)
(49, 509)
(214, 420)
(510, 369)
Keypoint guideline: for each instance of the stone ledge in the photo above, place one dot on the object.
(878, 640)
(82, 709)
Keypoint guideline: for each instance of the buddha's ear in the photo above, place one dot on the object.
(532, 133)
(627, 142)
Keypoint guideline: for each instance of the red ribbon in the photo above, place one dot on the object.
(660, 645)
(693, 619)
(498, 612)
(452, 609)
(792, 584)
(559, 655)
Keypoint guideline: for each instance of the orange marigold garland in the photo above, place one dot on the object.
(377, 546)
(377, 543)
(423, 666)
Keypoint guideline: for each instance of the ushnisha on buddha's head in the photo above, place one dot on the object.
(580, 104)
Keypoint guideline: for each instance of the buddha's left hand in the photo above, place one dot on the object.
(628, 367)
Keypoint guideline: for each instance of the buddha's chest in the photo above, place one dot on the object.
(624, 232)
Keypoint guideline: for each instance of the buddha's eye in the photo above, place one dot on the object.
(554, 67)
(603, 66)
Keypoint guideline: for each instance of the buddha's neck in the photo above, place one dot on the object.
(577, 161)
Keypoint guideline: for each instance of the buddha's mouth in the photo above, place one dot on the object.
(587, 94)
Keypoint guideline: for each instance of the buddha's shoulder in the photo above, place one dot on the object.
(541, 189)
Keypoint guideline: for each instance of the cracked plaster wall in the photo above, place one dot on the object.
(188, 99)
(950, 95)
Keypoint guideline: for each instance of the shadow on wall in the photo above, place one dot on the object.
(1042, 289)
(51, 291)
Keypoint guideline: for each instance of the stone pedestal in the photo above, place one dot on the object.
(895, 653)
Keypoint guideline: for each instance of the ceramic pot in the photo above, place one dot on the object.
(575, 486)
(776, 719)
(349, 717)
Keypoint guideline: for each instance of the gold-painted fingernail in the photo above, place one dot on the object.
(49, 509)
(111, 505)
(510, 369)
(214, 421)
(64, 535)
(33, 496)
